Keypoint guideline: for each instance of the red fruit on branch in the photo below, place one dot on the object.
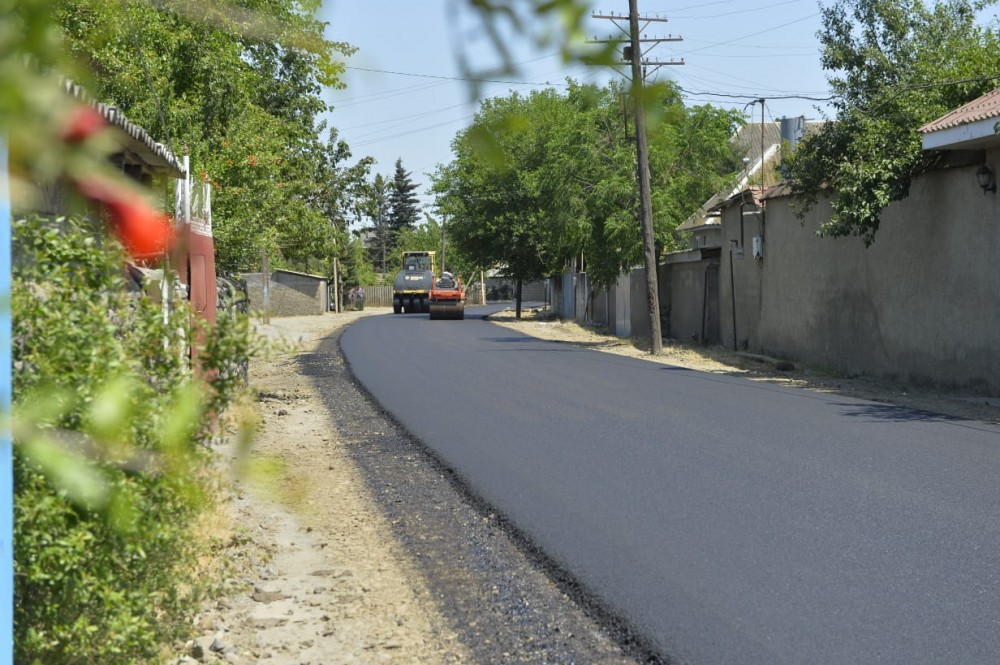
(144, 231)
(82, 122)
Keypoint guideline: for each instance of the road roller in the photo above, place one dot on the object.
(447, 298)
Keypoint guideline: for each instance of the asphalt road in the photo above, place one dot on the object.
(728, 521)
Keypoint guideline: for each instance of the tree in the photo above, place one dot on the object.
(244, 98)
(355, 269)
(403, 203)
(491, 195)
(541, 180)
(894, 66)
(428, 237)
(375, 206)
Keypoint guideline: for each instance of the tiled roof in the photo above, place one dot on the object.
(156, 155)
(983, 108)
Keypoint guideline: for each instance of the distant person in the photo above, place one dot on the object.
(361, 297)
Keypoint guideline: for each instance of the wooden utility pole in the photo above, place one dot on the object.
(336, 285)
(443, 221)
(265, 276)
(645, 201)
(634, 54)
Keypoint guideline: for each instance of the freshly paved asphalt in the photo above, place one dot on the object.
(729, 521)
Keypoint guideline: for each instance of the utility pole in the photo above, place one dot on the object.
(444, 220)
(634, 54)
(265, 276)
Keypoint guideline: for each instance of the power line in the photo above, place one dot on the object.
(754, 34)
(449, 78)
(730, 87)
(757, 96)
(739, 11)
(412, 117)
(415, 131)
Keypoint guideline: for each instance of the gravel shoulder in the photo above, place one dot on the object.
(346, 541)
(315, 574)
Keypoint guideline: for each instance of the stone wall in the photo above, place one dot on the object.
(290, 293)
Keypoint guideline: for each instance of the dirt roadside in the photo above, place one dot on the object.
(316, 565)
(313, 567)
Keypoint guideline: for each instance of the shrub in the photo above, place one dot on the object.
(109, 473)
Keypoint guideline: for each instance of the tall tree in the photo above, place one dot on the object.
(404, 211)
(375, 206)
(893, 66)
(493, 198)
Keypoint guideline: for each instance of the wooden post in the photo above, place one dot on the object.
(442, 243)
(265, 280)
(336, 285)
(645, 203)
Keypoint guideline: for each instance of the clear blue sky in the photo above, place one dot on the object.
(405, 97)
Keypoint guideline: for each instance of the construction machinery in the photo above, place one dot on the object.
(413, 283)
(447, 298)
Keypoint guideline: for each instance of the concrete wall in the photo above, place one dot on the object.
(621, 309)
(690, 305)
(639, 309)
(291, 293)
(922, 304)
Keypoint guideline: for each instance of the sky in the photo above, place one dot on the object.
(406, 97)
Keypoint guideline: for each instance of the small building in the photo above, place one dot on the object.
(288, 293)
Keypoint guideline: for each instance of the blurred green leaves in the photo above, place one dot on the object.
(110, 426)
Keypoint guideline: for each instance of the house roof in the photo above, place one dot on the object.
(156, 157)
(973, 125)
(747, 142)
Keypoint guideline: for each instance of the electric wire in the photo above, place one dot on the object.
(752, 34)
(470, 79)
(677, 16)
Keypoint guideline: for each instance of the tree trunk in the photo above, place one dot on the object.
(517, 299)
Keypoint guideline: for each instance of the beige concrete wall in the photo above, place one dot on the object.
(922, 304)
(290, 294)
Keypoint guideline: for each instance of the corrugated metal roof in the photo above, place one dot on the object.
(156, 156)
(983, 108)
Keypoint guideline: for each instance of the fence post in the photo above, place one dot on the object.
(265, 281)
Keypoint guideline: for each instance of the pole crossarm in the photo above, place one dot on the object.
(633, 38)
(624, 17)
(655, 40)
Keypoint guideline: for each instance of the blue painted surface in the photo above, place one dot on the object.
(6, 459)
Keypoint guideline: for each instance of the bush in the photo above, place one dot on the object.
(109, 473)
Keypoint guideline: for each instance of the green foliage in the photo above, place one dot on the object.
(403, 203)
(356, 269)
(427, 237)
(375, 204)
(541, 180)
(561, 24)
(894, 66)
(242, 90)
(108, 470)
